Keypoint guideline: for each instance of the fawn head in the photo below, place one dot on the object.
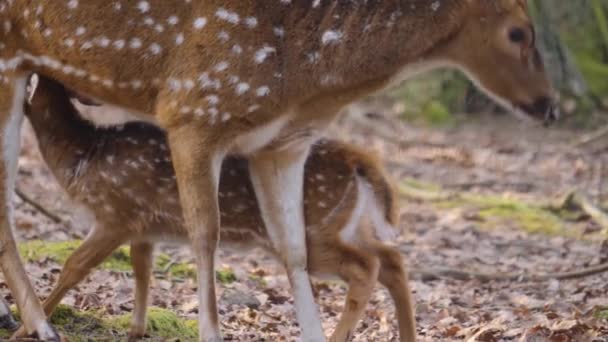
(496, 47)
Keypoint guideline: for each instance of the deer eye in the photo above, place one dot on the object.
(517, 35)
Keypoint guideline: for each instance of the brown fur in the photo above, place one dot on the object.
(85, 160)
(293, 64)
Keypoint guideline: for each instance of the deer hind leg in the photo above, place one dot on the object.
(360, 271)
(93, 250)
(197, 161)
(394, 277)
(12, 96)
(141, 258)
(278, 179)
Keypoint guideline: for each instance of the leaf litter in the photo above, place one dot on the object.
(257, 305)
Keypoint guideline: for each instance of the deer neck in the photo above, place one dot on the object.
(404, 35)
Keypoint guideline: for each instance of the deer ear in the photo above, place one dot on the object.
(523, 4)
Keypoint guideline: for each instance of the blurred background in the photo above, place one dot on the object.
(573, 36)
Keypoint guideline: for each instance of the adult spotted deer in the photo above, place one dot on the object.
(125, 177)
(255, 77)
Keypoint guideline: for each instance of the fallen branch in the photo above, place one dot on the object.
(387, 133)
(46, 212)
(591, 137)
(436, 273)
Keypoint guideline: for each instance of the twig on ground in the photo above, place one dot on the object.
(389, 135)
(572, 199)
(591, 137)
(435, 273)
(580, 201)
(46, 212)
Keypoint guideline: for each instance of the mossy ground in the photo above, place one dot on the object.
(602, 313)
(119, 260)
(494, 211)
(59, 252)
(94, 326)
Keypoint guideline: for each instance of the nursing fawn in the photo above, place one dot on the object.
(256, 77)
(125, 177)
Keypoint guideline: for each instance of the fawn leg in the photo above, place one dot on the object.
(197, 161)
(12, 97)
(278, 179)
(360, 271)
(394, 277)
(94, 249)
(141, 258)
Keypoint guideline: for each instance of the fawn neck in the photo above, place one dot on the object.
(65, 140)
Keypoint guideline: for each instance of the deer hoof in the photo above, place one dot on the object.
(45, 332)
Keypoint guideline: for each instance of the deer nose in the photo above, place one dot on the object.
(546, 106)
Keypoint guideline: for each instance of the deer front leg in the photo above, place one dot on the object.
(141, 258)
(197, 162)
(278, 179)
(12, 97)
(97, 246)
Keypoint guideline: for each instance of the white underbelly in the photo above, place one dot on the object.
(260, 137)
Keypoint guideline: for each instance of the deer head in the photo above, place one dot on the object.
(496, 48)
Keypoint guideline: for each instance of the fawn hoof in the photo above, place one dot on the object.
(136, 336)
(45, 332)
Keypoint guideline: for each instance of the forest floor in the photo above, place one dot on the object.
(476, 197)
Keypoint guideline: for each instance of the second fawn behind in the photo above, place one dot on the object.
(123, 174)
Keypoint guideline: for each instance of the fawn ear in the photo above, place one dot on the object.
(30, 88)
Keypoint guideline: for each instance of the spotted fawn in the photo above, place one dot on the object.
(124, 176)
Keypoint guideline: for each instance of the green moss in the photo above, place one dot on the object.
(176, 269)
(601, 313)
(5, 334)
(436, 113)
(95, 326)
(78, 326)
(260, 281)
(421, 185)
(185, 270)
(225, 275)
(529, 219)
(119, 260)
(430, 98)
(59, 252)
(494, 210)
(37, 250)
(594, 71)
(161, 323)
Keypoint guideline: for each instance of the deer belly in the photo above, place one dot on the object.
(260, 137)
